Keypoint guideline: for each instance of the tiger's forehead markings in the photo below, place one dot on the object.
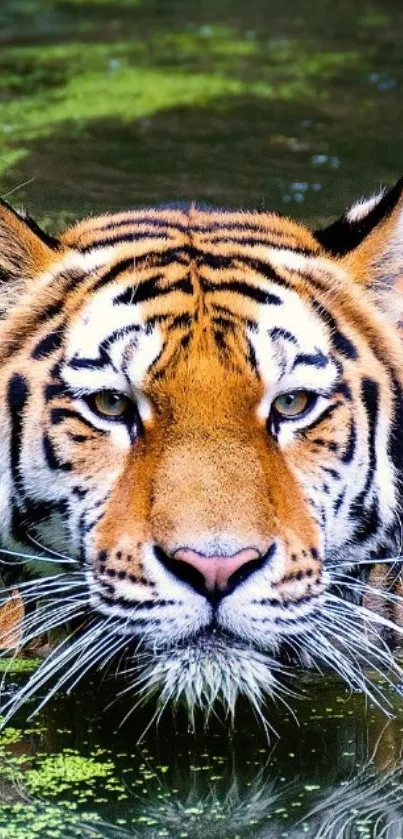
(119, 335)
(189, 224)
(103, 342)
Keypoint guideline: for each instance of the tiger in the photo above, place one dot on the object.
(201, 428)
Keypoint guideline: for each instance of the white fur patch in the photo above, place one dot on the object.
(130, 354)
(85, 262)
(362, 208)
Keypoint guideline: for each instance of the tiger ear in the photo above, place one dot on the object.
(25, 250)
(368, 240)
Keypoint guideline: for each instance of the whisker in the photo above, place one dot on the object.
(323, 646)
(362, 611)
(43, 619)
(49, 550)
(87, 657)
(57, 658)
(390, 560)
(24, 557)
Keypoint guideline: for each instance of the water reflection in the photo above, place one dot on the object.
(338, 774)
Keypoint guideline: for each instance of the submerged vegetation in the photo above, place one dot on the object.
(108, 104)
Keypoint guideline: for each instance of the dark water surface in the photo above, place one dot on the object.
(334, 771)
(295, 106)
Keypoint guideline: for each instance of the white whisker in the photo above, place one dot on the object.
(50, 551)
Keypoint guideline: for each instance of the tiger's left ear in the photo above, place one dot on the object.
(368, 241)
(25, 251)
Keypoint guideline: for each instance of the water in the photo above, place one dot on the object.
(106, 104)
(334, 771)
(293, 106)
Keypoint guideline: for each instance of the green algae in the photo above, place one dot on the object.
(21, 821)
(56, 774)
(106, 103)
(19, 665)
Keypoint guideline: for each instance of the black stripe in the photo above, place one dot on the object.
(343, 389)
(349, 451)
(332, 472)
(265, 269)
(339, 500)
(152, 221)
(224, 324)
(343, 345)
(71, 278)
(252, 242)
(36, 512)
(395, 442)
(239, 316)
(317, 359)
(157, 258)
(133, 236)
(132, 606)
(98, 363)
(109, 276)
(52, 460)
(58, 415)
(370, 399)
(49, 312)
(80, 492)
(46, 346)
(184, 320)
(54, 389)
(246, 290)
(369, 525)
(107, 343)
(324, 416)
(17, 397)
(327, 444)
(251, 358)
(149, 289)
(278, 332)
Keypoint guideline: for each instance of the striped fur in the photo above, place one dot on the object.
(202, 319)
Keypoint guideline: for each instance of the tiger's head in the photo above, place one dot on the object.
(203, 409)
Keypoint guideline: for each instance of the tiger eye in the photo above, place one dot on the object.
(292, 404)
(110, 403)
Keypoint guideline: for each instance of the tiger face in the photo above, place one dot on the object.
(202, 410)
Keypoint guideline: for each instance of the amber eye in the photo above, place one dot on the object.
(111, 404)
(293, 404)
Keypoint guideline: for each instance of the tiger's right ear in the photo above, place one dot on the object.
(25, 250)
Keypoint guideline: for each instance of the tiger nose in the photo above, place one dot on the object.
(217, 573)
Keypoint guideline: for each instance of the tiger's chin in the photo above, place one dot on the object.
(209, 671)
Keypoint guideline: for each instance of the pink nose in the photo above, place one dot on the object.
(216, 570)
